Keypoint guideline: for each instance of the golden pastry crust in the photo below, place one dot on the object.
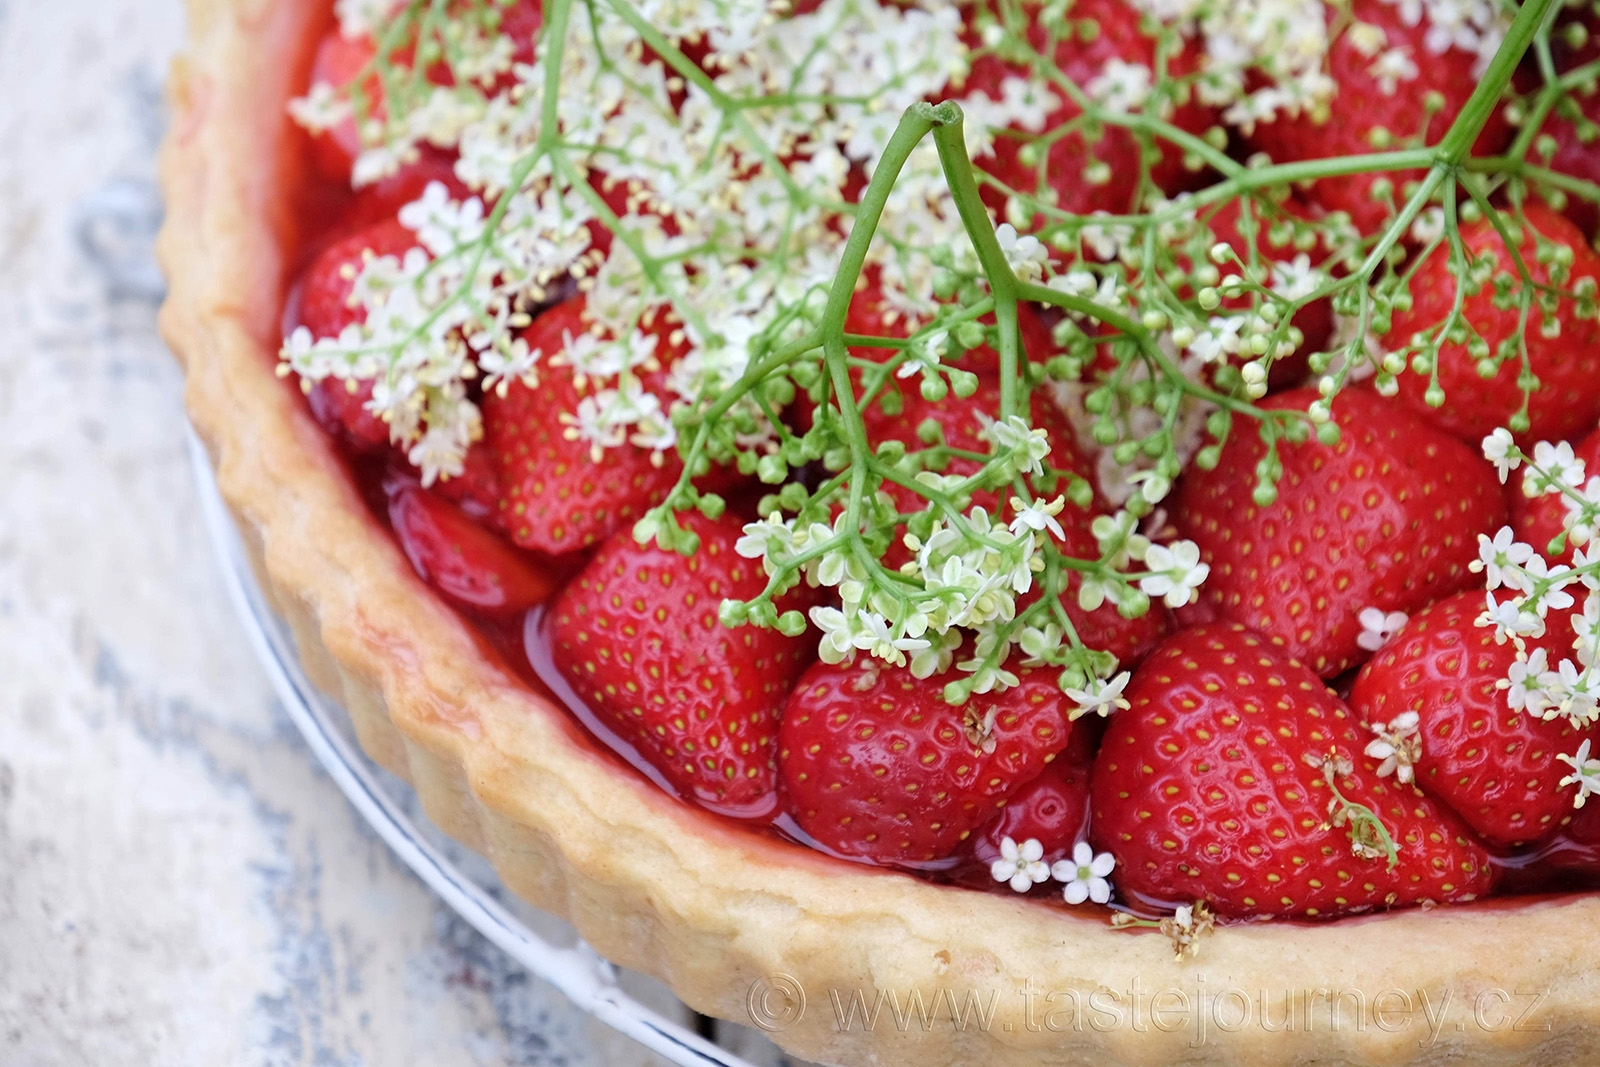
(731, 920)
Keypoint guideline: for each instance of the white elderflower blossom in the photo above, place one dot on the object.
(1524, 683)
(1175, 572)
(1398, 745)
(1501, 558)
(1393, 66)
(1022, 866)
(1509, 619)
(1585, 773)
(1031, 444)
(1025, 254)
(1378, 627)
(1100, 697)
(1554, 466)
(1295, 279)
(321, 109)
(1085, 874)
(1121, 86)
(1500, 449)
(1038, 517)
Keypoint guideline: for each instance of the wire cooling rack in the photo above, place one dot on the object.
(461, 879)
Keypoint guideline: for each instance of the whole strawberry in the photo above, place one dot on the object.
(1460, 738)
(1387, 518)
(1538, 520)
(1566, 363)
(636, 634)
(1083, 171)
(1214, 785)
(325, 308)
(557, 495)
(1383, 67)
(879, 766)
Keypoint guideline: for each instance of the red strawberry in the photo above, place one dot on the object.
(325, 309)
(1210, 787)
(461, 559)
(1494, 766)
(556, 497)
(637, 636)
(1567, 402)
(1364, 103)
(1083, 58)
(1538, 520)
(880, 767)
(1387, 518)
(1053, 809)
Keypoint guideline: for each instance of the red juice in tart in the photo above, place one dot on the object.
(840, 509)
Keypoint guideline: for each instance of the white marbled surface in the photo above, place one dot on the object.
(179, 882)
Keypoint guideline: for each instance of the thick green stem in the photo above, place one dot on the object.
(914, 125)
(951, 141)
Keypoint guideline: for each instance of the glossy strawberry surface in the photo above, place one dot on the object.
(1494, 765)
(1210, 786)
(1566, 362)
(636, 635)
(879, 766)
(1387, 518)
(557, 495)
(457, 556)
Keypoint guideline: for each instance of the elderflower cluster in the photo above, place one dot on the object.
(967, 572)
(731, 220)
(1528, 598)
(1268, 59)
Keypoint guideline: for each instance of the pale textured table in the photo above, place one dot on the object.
(179, 882)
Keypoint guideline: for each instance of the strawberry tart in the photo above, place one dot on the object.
(953, 532)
